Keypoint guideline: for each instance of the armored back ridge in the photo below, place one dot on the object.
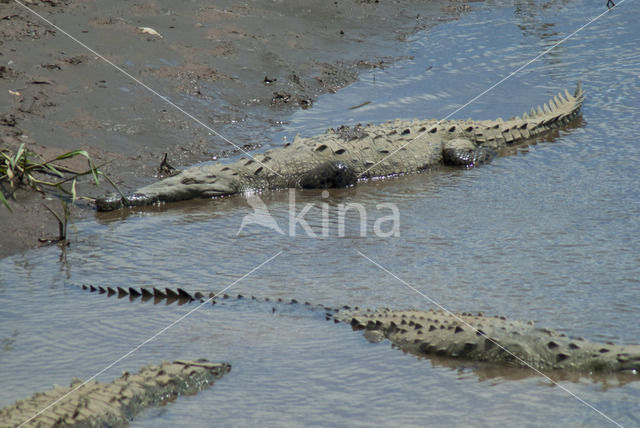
(436, 333)
(342, 157)
(94, 404)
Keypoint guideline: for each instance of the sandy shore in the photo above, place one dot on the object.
(241, 68)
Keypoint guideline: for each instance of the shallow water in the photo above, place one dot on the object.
(548, 234)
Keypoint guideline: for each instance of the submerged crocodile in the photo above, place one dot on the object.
(95, 404)
(342, 157)
(459, 336)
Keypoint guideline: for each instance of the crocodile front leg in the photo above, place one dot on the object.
(329, 175)
(463, 152)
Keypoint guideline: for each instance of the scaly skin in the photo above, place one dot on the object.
(460, 336)
(342, 157)
(490, 339)
(115, 404)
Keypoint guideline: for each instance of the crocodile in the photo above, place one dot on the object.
(464, 336)
(343, 156)
(95, 404)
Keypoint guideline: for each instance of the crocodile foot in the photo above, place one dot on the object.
(462, 152)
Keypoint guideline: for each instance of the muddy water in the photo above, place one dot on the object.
(546, 234)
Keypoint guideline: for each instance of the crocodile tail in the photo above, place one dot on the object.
(557, 111)
(158, 295)
(164, 295)
(579, 93)
(178, 295)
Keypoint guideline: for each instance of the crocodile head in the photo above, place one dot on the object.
(195, 182)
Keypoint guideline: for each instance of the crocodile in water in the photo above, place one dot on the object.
(96, 404)
(460, 336)
(342, 157)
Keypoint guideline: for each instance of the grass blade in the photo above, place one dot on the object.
(5, 202)
(24, 166)
(92, 167)
(62, 221)
(73, 191)
(16, 158)
(113, 184)
(54, 213)
(53, 169)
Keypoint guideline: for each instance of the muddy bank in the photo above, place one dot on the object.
(241, 69)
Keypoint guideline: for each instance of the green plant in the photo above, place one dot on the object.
(27, 167)
(62, 220)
